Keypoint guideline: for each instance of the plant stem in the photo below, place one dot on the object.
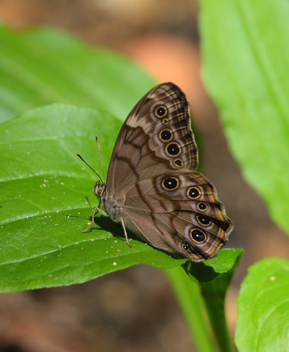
(189, 296)
(214, 297)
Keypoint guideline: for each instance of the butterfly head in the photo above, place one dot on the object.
(99, 189)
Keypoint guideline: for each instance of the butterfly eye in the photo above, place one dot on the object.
(161, 111)
(170, 184)
(202, 206)
(203, 220)
(166, 135)
(194, 193)
(173, 149)
(198, 236)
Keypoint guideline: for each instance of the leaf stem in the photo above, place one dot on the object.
(189, 296)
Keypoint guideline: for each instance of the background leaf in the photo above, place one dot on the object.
(246, 60)
(263, 308)
(46, 66)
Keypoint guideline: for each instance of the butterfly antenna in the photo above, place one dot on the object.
(80, 157)
(96, 138)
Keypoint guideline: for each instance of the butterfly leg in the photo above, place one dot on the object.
(125, 233)
(95, 211)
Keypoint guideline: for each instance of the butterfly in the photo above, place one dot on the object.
(152, 186)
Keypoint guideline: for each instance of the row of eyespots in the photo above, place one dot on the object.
(197, 235)
(172, 183)
(194, 193)
(172, 149)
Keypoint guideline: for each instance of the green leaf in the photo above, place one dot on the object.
(246, 60)
(47, 66)
(263, 308)
(210, 269)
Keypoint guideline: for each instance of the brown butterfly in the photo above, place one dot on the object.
(152, 185)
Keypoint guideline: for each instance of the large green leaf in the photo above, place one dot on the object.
(44, 191)
(246, 60)
(46, 66)
(263, 308)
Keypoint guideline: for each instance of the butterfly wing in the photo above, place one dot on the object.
(156, 136)
(187, 219)
(152, 184)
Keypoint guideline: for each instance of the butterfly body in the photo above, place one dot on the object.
(152, 185)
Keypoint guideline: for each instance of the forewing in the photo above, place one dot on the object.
(155, 138)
